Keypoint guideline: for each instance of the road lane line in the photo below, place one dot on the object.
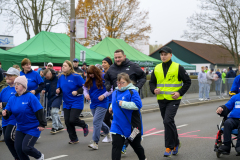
(57, 157)
(162, 131)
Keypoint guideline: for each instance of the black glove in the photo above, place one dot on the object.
(80, 91)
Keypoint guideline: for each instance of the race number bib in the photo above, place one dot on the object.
(237, 104)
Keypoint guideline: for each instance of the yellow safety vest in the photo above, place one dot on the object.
(169, 84)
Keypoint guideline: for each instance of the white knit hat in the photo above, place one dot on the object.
(22, 80)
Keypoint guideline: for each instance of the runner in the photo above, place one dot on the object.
(30, 120)
(9, 126)
(35, 82)
(70, 84)
(54, 101)
(95, 91)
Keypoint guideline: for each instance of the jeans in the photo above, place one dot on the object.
(8, 132)
(218, 86)
(98, 124)
(223, 87)
(71, 117)
(117, 145)
(229, 125)
(207, 90)
(56, 122)
(202, 90)
(168, 110)
(24, 145)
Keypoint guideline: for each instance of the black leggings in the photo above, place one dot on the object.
(9, 135)
(107, 118)
(117, 145)
(71, 117)
(24, 145)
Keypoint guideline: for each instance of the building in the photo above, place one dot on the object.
(199, 54)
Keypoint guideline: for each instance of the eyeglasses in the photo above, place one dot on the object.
(121, 83)
(9, 76)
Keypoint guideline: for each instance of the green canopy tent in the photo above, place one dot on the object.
(8, 59)
(186, 66)
(55, 48)
(108, 46)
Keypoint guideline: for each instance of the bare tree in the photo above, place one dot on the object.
(218, 23)
(40, 15)
(114, 18)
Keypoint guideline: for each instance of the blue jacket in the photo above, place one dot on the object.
(120, 124)
(50, 88)
(233, 106)
(236, 85)
(219, 74)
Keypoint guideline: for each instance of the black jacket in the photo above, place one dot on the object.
(231, 74)
(182, 76)
(134, 71)
(78, 70)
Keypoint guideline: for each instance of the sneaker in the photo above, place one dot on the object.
(200, 99)
(85, 130)
(60, 129)
(53, 131)
(176, 149)
(168, 152)
(93, 145)
(107, 139)
(224, 149)
(42, 157)
(73, 142)
(124, 149)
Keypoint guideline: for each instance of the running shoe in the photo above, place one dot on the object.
(53, 131)
(93, 145)
(124, 149)
(73, 142)
(85, 130)
(168, 152)
(107, 139)
(176, 149)
(41, 158)
(60, 129)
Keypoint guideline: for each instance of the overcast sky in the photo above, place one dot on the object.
(167, 17)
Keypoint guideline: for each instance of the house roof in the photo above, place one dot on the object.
(210, 52)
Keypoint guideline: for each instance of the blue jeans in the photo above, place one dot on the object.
(98, 124)
(207, 90)
(56, 122)
(217, 85)
(202, 90)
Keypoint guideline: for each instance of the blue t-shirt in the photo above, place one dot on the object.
(34, 79)
(234, 106)
(120, 124)
(23, 108)
(94, 93)
(236, 85)
(5, 95)
(68, 84)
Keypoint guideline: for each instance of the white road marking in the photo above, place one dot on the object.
(57, 157)
(145, 135)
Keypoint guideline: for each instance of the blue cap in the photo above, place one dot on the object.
(75, 60)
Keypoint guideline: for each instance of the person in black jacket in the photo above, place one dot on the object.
(75, 66)
(122, 64)
(54, 101)
(166, 82)
(230, 78)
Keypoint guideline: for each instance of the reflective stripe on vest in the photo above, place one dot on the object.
(168, 84)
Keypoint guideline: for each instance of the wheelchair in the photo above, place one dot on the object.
(219, 141)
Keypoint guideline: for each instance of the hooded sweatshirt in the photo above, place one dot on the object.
(131, 106)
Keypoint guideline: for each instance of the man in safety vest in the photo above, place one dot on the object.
(166, 82)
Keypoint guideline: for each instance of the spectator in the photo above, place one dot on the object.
(95, 91)
(76, 68)
(30, 120)
(210, 78)
(70, 85)
(50, 65)
(218, 80)
(54, 101)
(35, 82)
(223, 80)
(1, 75)
(202, 80)
(84, 68)
(206, 69)
(17, 67)
(230, 78)
(99, 67)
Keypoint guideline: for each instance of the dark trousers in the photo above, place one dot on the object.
(24, 145)
(117, 145)
(8, 133)
(107, 118)
(229, 125)
(71, 117)
(168, 110)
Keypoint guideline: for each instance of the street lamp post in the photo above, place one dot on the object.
(72, 31)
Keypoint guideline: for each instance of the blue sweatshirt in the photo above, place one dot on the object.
(68, 84)
(120, 124)
(23, 108)
(5, 95)
(236, 85)
(34, 79)
(233, 105)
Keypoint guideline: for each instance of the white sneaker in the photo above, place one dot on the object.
(107, 139)
(93, 145)
(42, 157)
(200, 99)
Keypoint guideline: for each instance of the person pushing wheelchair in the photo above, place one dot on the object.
(231, 110)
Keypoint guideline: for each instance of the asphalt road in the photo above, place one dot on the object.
(197, 130)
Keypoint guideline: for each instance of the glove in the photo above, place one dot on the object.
(108, 87)
(80, 91)
(231, 93)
